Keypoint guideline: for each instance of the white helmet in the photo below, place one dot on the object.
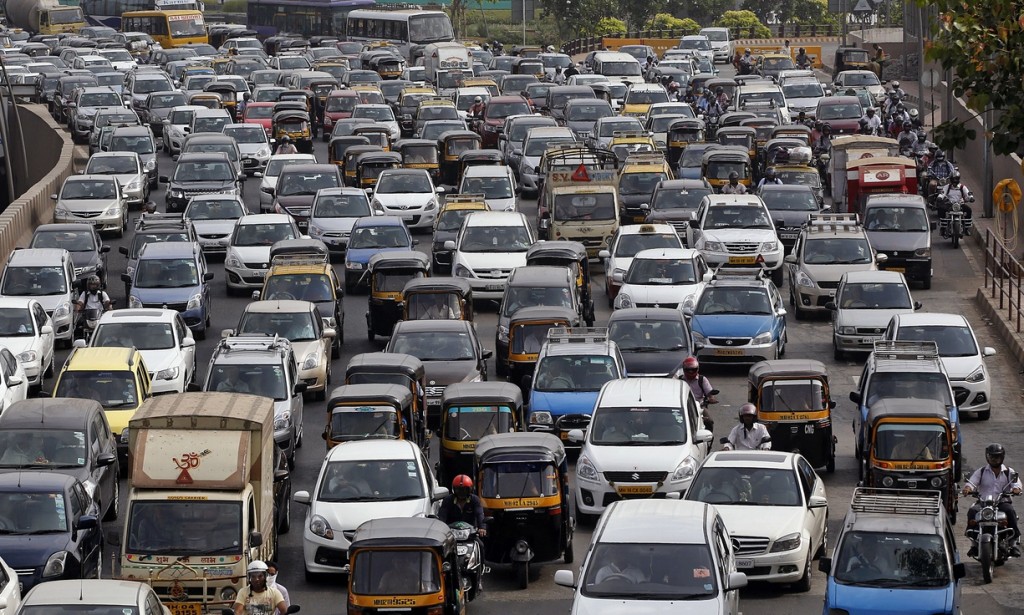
(256, 566)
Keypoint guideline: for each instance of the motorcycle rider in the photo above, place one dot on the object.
(873, 123)
(769, 178)
(92, 298)
(940, 168)
(721, 98)
(689, 372)
(823, 144)
(746, 63)
(258, 597)
(955, 192)
(992, 479)
(463, 505)
(476, 110)
(915, 118)
(286, 146)
(907, 137)
(803, 61)
(748, 435)
(734, 186)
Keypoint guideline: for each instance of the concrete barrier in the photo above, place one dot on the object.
(50, 161)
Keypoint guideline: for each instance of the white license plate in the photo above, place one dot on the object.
(868, 340)
(260, 274)
(744, 563)
(407, 218)
(491, 287)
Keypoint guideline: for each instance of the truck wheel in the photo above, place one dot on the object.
(927, 282)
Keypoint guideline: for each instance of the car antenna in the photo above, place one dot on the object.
(81, 586)
(640, 392)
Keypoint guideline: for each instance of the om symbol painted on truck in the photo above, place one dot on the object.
(188, 461)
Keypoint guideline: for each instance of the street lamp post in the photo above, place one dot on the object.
(524, 23)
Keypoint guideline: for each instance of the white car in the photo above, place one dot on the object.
(248, 255)
(606, 127)
(465, 97)
(409, 194)
(47, 275)
(496, 183)
(91, 596)
(737, 230)
(120, 59)
(860, 79)
(127, 168)
(624, 246)
(802, 94)
(381, 114)
(699, 45)
(213, 216)
(963, 359)
(784, 495)
(10, 594)
(268, 183)
(865, 303)
(488, 247)
(13, 381)
(95, 199)
(720, 43)
(359, 481)
(174, 126)
(27, 332)
(252, 145)
(163, 339)
(646, 437)
(665, 277)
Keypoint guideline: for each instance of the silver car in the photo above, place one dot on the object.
(95, 199)
(213, 216)
(252, 144)
(126, 167)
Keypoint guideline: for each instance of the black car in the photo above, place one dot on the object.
(675, 200)
(648, 339)
(199, 174)
(88, 253)
(49, 527)
(790, 205)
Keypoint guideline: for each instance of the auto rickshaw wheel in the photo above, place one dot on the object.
(523, 574)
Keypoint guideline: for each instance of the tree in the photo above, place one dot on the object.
(576, 18)
(983, 44)
(744, 21)
(638, 12)
(610, 26)
(703, 11)
(666, 21)
(787, 11)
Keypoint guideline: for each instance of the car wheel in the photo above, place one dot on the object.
(985, 415)
(837, 354)
(200, 334)
(804, 584)
(313, 577)
(113, 509)
(286, 519)
(927, 282)
(823, 547)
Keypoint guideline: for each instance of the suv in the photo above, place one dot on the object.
(155, 228)
(865, 301)
(83, 106)
(209, 143)
(47, 275)
(898, 225)
(890, 527)
(88, 253)
(262, 365)
(572, 366)
(754, 93)
(675, 200)
(828, 246)
(488, 247)
(196, 174)
(721, 43)
(308, 277)
(530, 287)
(92, 199)
(175, 276)
(736, 230)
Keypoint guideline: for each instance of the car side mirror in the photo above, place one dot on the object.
(825, 565)
(880, 258)
(255, 539)
(988, 351)
(330, 333)
(604, 254)
(703, 435)
(188, 342)
(737, 580)
(565, 578)
(123, 250)
(439, 493)
(917, 305)
(226, 333)
(105, 459)
(53, 197)
(257, 174)
(47, 330)
(300, 387)
(617, 277)
(449, 245)
(575, 435)
(127, 279)
(933, 225)
(855, 397)
(164, 179)
(831, 305)
(86, 522)
(207, 276)
(488, 354)
(301, 497)
(695, 224)
(791, 259)
(104, 249)
(817, 501)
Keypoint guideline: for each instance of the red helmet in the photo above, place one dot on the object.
(691, 363)
(462, 482)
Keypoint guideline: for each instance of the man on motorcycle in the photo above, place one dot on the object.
(823, 144)
(940, 168)
(93, 298)
(907, 137)
(871, 122)
(721, 98)
(258, 598)
(700, 385)
(286, 146)
(748, 435)
(476, 110)
(463, 505)
(993, 479)
(746, 63)
(803, 61)
(955, 192)
(769, 178)
(734, 186)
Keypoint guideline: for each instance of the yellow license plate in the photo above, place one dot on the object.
(634, 489)
(639, 219)
(728, 352)
(742, 260)
(184, 608)
(898, 269)
(564, 435)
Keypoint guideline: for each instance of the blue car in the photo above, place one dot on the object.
(49, 526)
(739, 318)
(174, 276)
(373, 235)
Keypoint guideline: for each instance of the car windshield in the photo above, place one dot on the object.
(671, 571)
(148, 86)
(33, 281)
(214, 209)
(139, 145)
(496, 239)
(734, 300)
(211, 124)
(640, 183)
(203, 172)
(341, 206)
(404, 183)
(499, 110)
(891, 560)
(646, 97)
(874, 296)
(159, 527)
(465, 101)
(255, 134)
(904, 384)
(607, 129)
(114, 390)
(490, 187)
(451, 219)
(142, 238)
(371, 480)
(803, 178)
(142, 335)
(700, 44)
(315, 287)
(72, 241)
(740, 217)
(276, 165)
(648, 335)
(262, 234)
(517, 297)
(661, 272)
(692, 157)
(638, 426)
(162, 101)
(166, 273)
(834, 251)
(268, 380)
(588, 206)
(293, 326)
(802, 90)
(198, 82)
(678, 198)
(790, 200)
(620, 69)
(901, 441)
(378, 114)
(859, 79)
(388, 236)
(840, 111)
(16, 322)
(340, 104)
(952, 340)
(100, 99)
(629, 245)
(260, 112)
(734, 486)
(296, 183)
(112, 165)
(574, 373)
(537, 147)
(438, 112)
(87, 189)
(587, 113)
(181, 118)
(33, 512)
(432, 130)
(435, 346)
(896, 219)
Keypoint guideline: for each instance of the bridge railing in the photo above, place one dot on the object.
(1003, 276)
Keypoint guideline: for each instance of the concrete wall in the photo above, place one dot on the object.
(50, 160)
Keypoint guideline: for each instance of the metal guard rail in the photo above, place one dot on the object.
(1003, 275)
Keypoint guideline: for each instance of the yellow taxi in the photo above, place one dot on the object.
(639, 98)
(368, 94)
(638, 177)
(115, 377)
(481, 82)
(625, 143)
(447, 225)
(308, 277)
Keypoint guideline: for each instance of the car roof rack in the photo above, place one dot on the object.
(896, 501)
(905, 350)
(833, 223)
(578, 335)
(252, 341)
(645, 158)
(299, 259)
(157, 219)
(739, 273)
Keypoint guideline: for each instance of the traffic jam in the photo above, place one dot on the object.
(578, 280)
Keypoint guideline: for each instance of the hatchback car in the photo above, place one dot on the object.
(253, 145)
(489, 245)
(88, 252)
(268, 181)
(248, 253)
(213, 216)
(27, 332)
(334, 213)
(450, 350)
(667, 277)
(653, 341)
(496, 182)
(161, 336)
(96, 595)
(138, 139)
(297, 186)
(409, 194)
(373, 235)
(173, 275)
(624, 246)
(865, 302)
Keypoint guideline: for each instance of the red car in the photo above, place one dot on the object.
(843, 113)
(339, 106)
(261, 113)
(499, 108)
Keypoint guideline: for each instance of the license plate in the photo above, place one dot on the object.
(184, 608)
(898, 269)
(639, 219)
(407, 218)
(788, 235)
(564, 435)
(728, 352)
(868, 340)
(634, 489)
(741, 260)
(809, 428)
(260, 274)
(491, 287)
(744, 563)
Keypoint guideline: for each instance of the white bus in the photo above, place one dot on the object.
(408, 29)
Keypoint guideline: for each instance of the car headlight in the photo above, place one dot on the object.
(786, 543)
(622, 302)
(714, 246)
(353, 266)
(61, 210)
(503, 333)
(310, 361)
(431, 204)
(150, 165)
(923, 252)
(28, 356)
(175, 193)
(770, 246)
(586, 470)
(283, 421)
(133, 186)
(233, 261)
(977, 375)
(763, 338)
(194, 302)
(62, 310)
(685, 470)
(55, 565)
(802, 279)
(541, 417)
(124, 436)
(114, 210)
(698, 338)
(315, 231)
(319, 526)
(263, 153)
(134, 302)
(847, 330)
(171, 373)
(461, 271)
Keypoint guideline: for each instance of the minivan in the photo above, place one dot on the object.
(898, 225)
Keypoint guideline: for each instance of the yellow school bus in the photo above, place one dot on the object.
(169, 28)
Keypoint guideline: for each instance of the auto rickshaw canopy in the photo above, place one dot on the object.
(399, 259)
(521, 446)
(403, 532)
(495, 393)
(451, 286)
(369, 366)
(339, 145)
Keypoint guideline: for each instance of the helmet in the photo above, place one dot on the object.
(732, 175)
(478, 99)
(691, 363)
(954, 178)
(747, 50)
(940, 155)
(93, 282)
(900, 107)
(870, 111)
(921, 136)
(802, 50)
(286, 139)
(827, 129)
(895, 85)
(863, 122)
(914, 113)
(719, 90)
(994, 454)
(748, 410)
(462, 485)
(770, 173)
(256, 567)
(551, 49)
(907, 125)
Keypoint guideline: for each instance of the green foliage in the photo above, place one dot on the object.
(743, 20)
(702, 11)
(610, 26)
(638, 12)
(952, 135)
(666, 21)
(983, 44)
(789, 11)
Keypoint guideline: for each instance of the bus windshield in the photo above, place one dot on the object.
(430, 29)
(186, 25)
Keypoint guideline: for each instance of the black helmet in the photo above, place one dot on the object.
(995, 454)
(771, 173)
(907, 125)
(733, 175)
(827, 129)
(719, 90)
(922, 136)
(940, 155)
(286, 139)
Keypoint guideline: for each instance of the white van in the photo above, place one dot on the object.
(657, 556)
(721, 43)
(618, 66)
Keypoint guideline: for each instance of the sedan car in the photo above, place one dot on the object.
(27, 332)
(213, 216)
(359, 481)
(864, 304)
(248, 253)
(789, 206)
(93, 596)
(786, 497)
(127, 168)
(13, 381)
(161, 336)
(334, 213)
(96, 199)
(63, 519)
(653, 341)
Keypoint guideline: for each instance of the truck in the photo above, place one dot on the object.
(45, 16)
(201, 503)
(578, 199)
(447, 64)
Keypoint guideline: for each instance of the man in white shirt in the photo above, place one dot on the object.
(749, 435)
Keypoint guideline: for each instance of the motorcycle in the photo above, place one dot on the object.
(471, 562)
(709, 423)
(955, 224)
(86, 322)
(990, 534)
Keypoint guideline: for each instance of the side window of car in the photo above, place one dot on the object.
(179, 328)
(692, 412)
(4, 579)
(807, 477)
(10, 365)
(720, 543)
(96, 436)
(40, 315)
(77, 504)
(153, 604)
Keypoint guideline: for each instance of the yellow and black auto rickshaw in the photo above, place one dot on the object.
(394, 368)
(450, 146)
(682, 133)
(739, 136)
(523, 484)
(528, 66)
(295, 126)
(793, 401)
(527, 331)
(388, 273)
(734, 118)
(349, 162)
(437, 298)
(909, 444)
(792, 131)
(763, 127)
(717, 163)
(339, 145)
(851, 58)
(369, 411)
(405, 563)
(369, 166)
(377, 134)
(571, 254)
(387, 65)
(228, 96)
(479, 157)
(420, 154)
(303, 96)
(210, 100)
(470, 411)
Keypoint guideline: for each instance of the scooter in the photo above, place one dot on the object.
(764, 445)
(471, 562)
(709, 423)
(991, 536)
